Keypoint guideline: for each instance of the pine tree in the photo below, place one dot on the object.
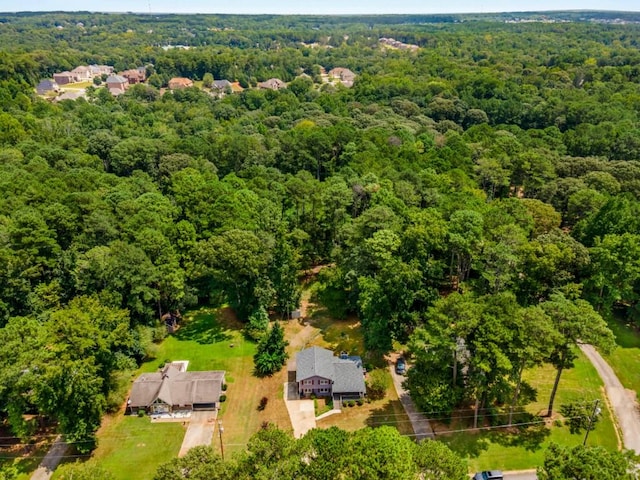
(271, 355)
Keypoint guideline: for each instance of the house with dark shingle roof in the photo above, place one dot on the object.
(46, 86)
(319, 372)
(173, 388)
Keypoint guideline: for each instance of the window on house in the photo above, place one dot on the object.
(324, 390)
(324, 382)
(308, 382)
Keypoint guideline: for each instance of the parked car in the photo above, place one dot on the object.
(401, 366)
(489, 475)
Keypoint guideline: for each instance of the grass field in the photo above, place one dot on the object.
(625, 359)
(499, 448)
(211, 339)
(133, 447)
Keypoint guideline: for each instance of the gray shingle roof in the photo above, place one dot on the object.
(174, 387)
(314, 362)
(349, 377)
(221, 84)
(346, 373)
(116, 79)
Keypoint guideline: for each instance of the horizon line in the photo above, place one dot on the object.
(131, 12)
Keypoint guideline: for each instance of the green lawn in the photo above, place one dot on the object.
(132, 447)
(625, 359)
(499, 448)
(210, 339)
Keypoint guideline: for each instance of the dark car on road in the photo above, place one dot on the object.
(489, 475)
(401, 366)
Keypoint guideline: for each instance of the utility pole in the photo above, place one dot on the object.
(220, 432)
(596, 411)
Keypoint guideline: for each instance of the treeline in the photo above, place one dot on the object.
(499, 164)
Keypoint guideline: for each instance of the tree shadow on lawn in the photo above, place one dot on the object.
(466, 444)
(391, 413)
(626, 332)
(203, 329)
(530, 437)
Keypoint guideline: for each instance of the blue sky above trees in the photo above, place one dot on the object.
(316, 6)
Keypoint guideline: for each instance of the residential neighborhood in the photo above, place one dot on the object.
(70, 85)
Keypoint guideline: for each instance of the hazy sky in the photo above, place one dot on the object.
(315, 6)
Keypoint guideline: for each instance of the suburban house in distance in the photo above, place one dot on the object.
(344, 75)
(46, 86)
(173, 388)
(136, 75)
(117, 84)
(63, 78)
(221, 87)
(177, 83)
(320, 373)
(272, 84)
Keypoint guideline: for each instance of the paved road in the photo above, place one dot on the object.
(517, 475)
(200, 431)
(420, 423)
(520, 475)
(623, 401)
(51, 460)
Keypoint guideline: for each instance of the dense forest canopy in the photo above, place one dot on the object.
(492, 176)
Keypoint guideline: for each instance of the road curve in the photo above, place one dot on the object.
(623, 401)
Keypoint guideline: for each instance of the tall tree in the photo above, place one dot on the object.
(271, 354)
(577, 322)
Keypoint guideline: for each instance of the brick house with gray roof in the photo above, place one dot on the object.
(320, 373)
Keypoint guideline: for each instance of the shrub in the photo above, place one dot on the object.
(141, 412)
(377, 385)
(557, 423)
(360, 402)
(313, 396)
(224, 387)
(263, 403)
(352, 403)
(579, 416)
(223, 398)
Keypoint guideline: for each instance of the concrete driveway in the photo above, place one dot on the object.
(420, 423)
(200, 430)
(51, 460)
(301, 412)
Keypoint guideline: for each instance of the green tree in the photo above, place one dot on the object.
(271, 354)
(586, 463)
(207, 80)
(258, 324)
(576, 321)
(436, 461)
(200, 463)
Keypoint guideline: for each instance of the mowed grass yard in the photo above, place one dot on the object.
(625, 359)
(502, 449)
(211, 339)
